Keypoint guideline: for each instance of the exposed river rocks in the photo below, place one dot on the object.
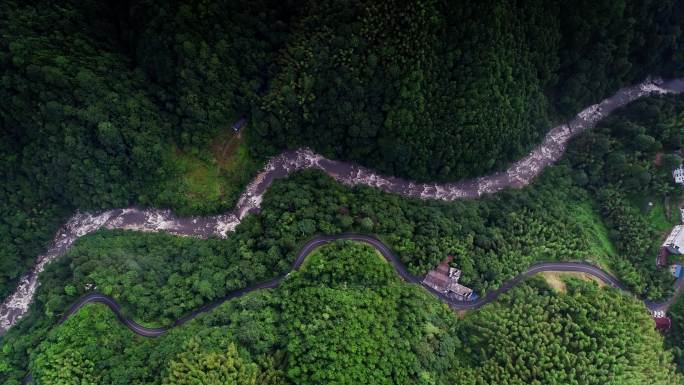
(517, 175)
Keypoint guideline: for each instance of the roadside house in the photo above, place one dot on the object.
(662, 321)
(663, 324)
(678, 174)
(674, 243)
(444, 279)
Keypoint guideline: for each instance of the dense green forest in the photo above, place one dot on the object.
(110, 103)
(584, 208)
(625, 163)
(533, 336)
(589, 207)
(675, 340)
(300, 333)
(443, 90)
(96, 96)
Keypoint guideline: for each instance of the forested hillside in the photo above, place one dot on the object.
(346, 318)
(95, 94)
(585, 336)
(586, 208)
(109, 103)
(444, 90)
(78, 129)
(676, 337)
(606, 179)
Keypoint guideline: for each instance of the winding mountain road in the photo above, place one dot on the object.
(519, 174)
(386, 252)
(389, 256)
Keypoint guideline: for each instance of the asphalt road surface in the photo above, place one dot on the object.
(392, 259)
(518, 174)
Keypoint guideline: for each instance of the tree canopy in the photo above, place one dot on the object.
(104, 100)
(363, 324)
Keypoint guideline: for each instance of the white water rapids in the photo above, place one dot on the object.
(518, 174)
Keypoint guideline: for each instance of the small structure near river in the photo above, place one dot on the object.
(444, 279)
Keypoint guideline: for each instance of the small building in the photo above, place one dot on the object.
(444, 279)
(676, 270)
(238, 125)
(681, 213)
(678, 174)
(459, 292)
(674, 243)
(662, 321)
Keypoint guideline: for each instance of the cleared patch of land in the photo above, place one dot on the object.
(600, 244)
(556, 280)
(212, 180)
(658, 217)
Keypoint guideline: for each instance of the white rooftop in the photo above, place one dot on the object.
(675, 241)
(678, 174)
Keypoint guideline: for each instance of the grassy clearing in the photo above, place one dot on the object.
(656, 215)
(656, 212)
(557, 280)
(600, 244)
(211, 181)
(554, 281)
(202, 179)
(658, 218)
